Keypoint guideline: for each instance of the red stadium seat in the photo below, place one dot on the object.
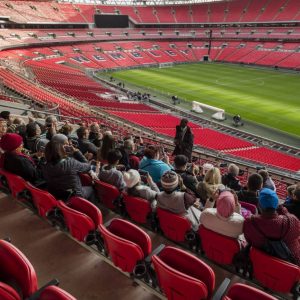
(55, 293)
(173, 226)
(251, 207)
(8, 293)
(219, 248)
(15, 267)
(137, 208)
(15, 183)
(43, 201)
(245, 292)
(273, 273)
(182, 275)
(107, 193)
(79, 224)
(126, 244)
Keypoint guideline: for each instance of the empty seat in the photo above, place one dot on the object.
(15, 267)
(107, 193)
(126, 244)
(182, 275)
(274, 273)
(43, 201)
(245, 292)
(219, 248)
(55, 293)
(8, 293)
(137, 208)
(81, 217)
(173, 226)
(14, 183)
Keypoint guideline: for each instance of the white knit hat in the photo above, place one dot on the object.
(206, 167)
(169, 180)
(131, 178)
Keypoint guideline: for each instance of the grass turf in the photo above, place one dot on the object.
(264, 96)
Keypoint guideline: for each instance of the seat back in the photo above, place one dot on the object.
(274, 273)
(173, 226)
(245, 292)
(137, 208)
(87, 208)
(182, 275)
(43, 201)
(249, 206)
(16, 184)
(126, 243)
(8, 293)
(14, 266)
(54, 292)
(86, 179)
(107, 193)
(78, 223)
(219, 248)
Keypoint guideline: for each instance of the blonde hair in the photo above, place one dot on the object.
(213, 176)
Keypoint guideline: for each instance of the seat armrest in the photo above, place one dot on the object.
(221, 289)
(37, 294)
(156, 251)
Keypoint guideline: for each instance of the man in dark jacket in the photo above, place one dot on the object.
(188, 177)
(84, 145)
(184, 140)
(230, 179)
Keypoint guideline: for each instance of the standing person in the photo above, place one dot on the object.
(184, 140)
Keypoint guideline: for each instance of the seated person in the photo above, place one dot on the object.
(108, 143)
(226, 218)
(84, 145)
(294, 205)
(3, 127)
(250, 194)
(187, 174)
(109, 172)
(62, 173)
(136, 188)
(230, 179)
(267, 180)
(152, 164)
(129, 159)
(211, 182)
(33, 132)
(180, 203)
(15, 161)
(275, 223)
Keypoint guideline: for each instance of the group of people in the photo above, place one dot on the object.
(53, 158)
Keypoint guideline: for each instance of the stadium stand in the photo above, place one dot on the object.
(49, 63)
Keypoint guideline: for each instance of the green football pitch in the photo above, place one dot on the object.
(263, 96)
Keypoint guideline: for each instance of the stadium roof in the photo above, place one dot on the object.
(141, 2)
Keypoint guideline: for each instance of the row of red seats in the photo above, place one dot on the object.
(237, 11)
(16, 268)
(128, 246)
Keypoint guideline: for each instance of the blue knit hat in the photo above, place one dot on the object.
(268, 199)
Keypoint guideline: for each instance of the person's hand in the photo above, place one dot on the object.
(215, 195)
(166, 159)
(149, 179)
(236, 199)
(53, 129)
(93, 175)
(31, 120)
(89, 156)
(197, 204)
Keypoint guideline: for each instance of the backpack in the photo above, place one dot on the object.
(276, 247)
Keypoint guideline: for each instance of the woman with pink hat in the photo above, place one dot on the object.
(226, 218)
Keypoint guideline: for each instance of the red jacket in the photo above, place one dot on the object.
(274, 226)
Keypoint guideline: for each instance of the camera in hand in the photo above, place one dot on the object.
(144, 175)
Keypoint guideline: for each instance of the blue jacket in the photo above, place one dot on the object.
(154, 167)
